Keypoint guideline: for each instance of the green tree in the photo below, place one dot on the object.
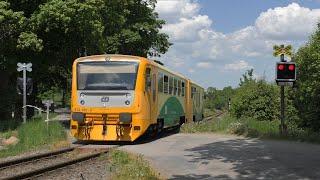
(218, 99)
(307, 94)
(247, 77)
(52, 33)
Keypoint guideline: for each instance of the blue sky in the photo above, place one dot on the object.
(216, 41)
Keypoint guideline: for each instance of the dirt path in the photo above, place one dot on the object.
(213, 156)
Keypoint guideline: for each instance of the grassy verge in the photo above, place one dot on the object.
(251, 128)
(216, 125)
(32, 135)
(208, 112)
(128, 166)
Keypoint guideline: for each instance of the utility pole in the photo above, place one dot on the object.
(24, 68)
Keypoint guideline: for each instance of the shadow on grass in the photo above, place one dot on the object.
(255, 159)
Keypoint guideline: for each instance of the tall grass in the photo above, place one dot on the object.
(35, 134)
(244, 126)
(128, 166)
(250, 127)
(215, 125)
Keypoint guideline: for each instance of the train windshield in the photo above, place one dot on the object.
(107, 75)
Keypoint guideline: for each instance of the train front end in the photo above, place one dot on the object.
(106, 99)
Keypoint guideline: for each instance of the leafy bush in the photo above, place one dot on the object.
(261, 101)
(237, 128)
(258, 100)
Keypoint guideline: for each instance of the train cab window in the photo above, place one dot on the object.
(160, 82)
(175, 87)
(170, 85)
(165, 84)
(179, 87)
(148, 78)
(183, 89)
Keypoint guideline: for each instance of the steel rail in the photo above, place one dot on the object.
(208, 118)
(6, 164)
(52, 167)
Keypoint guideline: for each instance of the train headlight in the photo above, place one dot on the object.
(127, 102)
(78, 116)
(125, 117)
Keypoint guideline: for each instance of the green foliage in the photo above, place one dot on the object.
(52, 33)
(127, 166)
(218, 99)
(29, 41)
(215, 125)
(34, 134)
(307, 94)
(227, 124)
(247, 77)
(9, 124)
(258, 100)
(250, 127)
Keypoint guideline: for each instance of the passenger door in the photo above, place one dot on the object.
(152, 92)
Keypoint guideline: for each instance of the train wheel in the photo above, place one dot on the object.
(182, 120)
(152, 131)
(160, 125)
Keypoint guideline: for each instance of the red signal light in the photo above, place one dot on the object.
(281, 67)
(291, 67)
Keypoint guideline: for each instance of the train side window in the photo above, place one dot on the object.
(165, 84)
(160, 82)
(175, 87)
(193, 91)
(179, 87)
(183, 89)
(148, 78)
(170, 85)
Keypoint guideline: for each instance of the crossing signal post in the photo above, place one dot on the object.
(286, 73)
(24, 68)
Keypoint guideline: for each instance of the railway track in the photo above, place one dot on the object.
(37, 165)
(209, 118)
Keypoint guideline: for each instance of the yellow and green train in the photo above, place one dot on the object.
(120, 98)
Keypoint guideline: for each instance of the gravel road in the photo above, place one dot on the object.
(215, 156)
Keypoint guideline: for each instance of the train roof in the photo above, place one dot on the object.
(134, 58)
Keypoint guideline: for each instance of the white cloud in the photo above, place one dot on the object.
(197, 45)
(236, 66)
(173, 10)
(286, 23)
(191, 70)
(187, 29)
(205, 65)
